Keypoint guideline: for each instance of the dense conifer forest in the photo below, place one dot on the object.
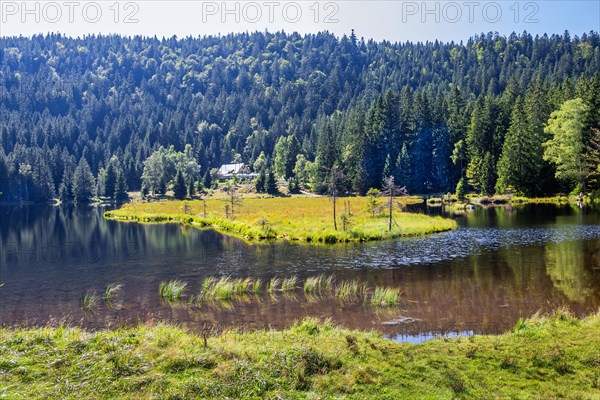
(101, 115)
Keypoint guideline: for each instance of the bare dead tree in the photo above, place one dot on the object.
(391, 191)
(334, 185)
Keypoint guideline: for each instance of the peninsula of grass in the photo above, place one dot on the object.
(546, 358)
(307, 219)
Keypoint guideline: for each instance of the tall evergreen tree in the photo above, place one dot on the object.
(522, 154)
(83, 183)
(179, 187)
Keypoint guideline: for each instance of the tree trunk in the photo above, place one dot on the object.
(334, 216)
(391, 210)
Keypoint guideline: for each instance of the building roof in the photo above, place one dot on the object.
(228, 169)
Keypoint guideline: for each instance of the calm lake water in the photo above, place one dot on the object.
(501, 265)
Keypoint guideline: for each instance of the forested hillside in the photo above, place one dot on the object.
(496, 113)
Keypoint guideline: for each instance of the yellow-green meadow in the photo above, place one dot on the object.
(308, 219)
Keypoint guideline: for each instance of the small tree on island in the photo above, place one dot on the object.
(372, 203)
(391, 191)
(233, 199)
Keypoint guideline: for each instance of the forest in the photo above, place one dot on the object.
(103, 115)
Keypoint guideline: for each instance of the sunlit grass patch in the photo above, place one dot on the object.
(553, 356)
(112, 290)
(289, 283)
(89, 301)
(385, 297)
(273, 285)
(304, 219)
(172, 290)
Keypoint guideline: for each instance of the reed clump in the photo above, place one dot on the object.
(385, 296)
(172, 290)
(112, 290)
(89, 301)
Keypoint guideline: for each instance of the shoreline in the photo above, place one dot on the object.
(550, 356)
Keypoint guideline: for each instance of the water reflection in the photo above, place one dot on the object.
(502, 264)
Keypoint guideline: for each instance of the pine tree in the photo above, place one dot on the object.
(461, 189)
(120, 195)
(488, 175)
(83, 183)
(208, 180)
(271, 183)
(403, 168)
(260, 182)
(110, 178)
(179, 187)
(522, 157)
(388, 168)
(191, 188)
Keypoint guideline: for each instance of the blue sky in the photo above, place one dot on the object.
(391, 20)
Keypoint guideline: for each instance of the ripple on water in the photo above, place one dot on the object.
(461, 243)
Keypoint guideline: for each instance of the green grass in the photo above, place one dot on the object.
(172, 290)
(384, 297)
(226, 288)
(289, 284)
(304, 219)
(112, 290)
(314, 287)
(273, 285)
(546, 358)
(89, 301)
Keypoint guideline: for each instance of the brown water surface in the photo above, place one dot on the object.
(501, 265)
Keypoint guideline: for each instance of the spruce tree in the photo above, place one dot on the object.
(120, 195)
(83, 183)
(179, 187)
(271, 183)
(260, 182)
(521, 160)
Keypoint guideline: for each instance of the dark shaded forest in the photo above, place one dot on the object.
(80, 116)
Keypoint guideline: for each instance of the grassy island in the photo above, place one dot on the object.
(307, 219)
(553, 357)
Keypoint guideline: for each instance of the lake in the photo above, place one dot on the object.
(502, 264)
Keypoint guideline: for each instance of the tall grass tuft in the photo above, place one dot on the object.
(327, 283)
(347, 290)
(256, 285)
(384, 297)
(172, 290)
(319, 283)
(289, 284)
(273, 285)
(223, 289)
(111, 291)
(311, 285)
(89, 301)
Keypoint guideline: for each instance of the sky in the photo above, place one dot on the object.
(392, 20)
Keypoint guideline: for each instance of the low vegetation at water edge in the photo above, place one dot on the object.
(552, 357)
(226, 289)
(304, 219)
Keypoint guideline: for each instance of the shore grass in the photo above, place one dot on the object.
(307, 219)
(551, 357)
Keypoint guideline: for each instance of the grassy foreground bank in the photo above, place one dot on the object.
(298, 218)
(553, 357)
